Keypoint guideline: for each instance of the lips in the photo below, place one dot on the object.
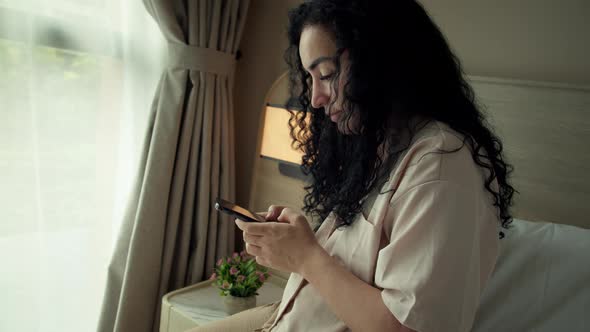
(332, 113)
(335, 116)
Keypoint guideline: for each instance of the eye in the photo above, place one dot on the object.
(327, 77)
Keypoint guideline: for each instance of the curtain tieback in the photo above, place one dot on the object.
(201, 59)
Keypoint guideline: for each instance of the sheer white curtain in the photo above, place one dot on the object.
(76, 81)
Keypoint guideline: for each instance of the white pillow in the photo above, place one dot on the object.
(541, 281)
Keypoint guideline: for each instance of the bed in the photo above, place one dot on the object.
(541, 281)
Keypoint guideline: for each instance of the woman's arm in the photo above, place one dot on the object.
(355, 302)
(290, 245)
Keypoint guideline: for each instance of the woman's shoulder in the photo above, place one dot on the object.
(436, 136)
(436, 153)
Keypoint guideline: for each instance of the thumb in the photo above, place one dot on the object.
(274, 211)
(291, 216)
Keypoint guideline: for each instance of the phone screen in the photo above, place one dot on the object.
(237, 211)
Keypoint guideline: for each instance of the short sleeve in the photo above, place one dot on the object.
(442, 249)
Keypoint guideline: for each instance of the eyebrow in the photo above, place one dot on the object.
(319, 60)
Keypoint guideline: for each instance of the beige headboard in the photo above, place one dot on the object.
(545, 129)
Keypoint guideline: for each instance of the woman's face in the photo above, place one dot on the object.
(317, 50)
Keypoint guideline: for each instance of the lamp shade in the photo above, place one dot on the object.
(276, 138)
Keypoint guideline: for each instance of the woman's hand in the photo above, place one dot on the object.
(283, 244)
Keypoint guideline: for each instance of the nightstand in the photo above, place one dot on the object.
(200, 303)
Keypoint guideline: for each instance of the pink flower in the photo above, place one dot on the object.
(236, 257)
(233, 271)
(225, 285)
(220, 261)
(213, 276)
(241, 278)
(261, 276)
(243, 253)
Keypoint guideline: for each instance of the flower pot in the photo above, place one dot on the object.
(234, 304)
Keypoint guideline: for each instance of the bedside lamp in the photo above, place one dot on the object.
(276, 140)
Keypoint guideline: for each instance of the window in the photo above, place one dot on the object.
(76, 83)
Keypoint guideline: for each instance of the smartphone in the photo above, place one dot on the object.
(237, 211)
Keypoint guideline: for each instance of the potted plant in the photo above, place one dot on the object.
(238, 278)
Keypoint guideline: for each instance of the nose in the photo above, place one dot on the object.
(320, 95)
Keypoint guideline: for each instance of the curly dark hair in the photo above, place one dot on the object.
(419, 77)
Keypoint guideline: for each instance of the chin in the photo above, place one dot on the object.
(344, 129)
(348, 126)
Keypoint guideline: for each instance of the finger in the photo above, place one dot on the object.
(274, 211)
(241, 224)
(255, 228)
(252, 239)
(262, 214)
(253, 250)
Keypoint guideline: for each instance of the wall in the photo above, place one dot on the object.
(544, 40)
(263, 43)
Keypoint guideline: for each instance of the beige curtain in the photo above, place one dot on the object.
(171, 234)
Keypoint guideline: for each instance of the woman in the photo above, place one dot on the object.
(409, 181)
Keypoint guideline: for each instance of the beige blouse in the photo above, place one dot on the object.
(430, 243)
